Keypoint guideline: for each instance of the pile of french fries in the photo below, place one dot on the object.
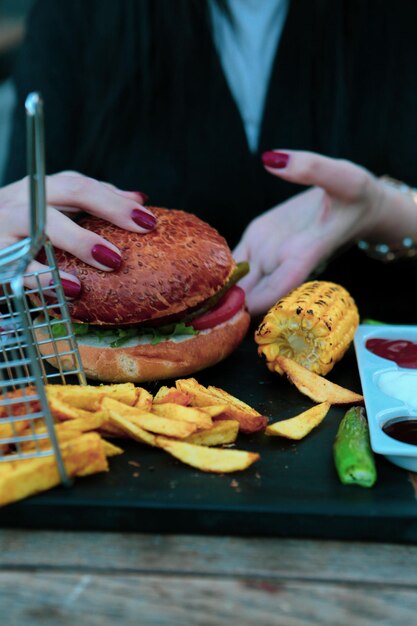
(186, 421)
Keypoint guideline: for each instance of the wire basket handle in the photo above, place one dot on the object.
(15, 258)
(36, 170)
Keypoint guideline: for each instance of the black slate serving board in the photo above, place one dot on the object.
(292, 491)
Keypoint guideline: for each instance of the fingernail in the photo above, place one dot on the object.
(144, 196)
(71, 289)
(278, 160)
(106, 257)
(143, 219)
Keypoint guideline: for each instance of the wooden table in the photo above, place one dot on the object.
(67, 578)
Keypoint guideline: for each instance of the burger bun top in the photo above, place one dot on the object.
(171, 269)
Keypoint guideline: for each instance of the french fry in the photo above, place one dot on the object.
(220, 433)
(163, 425)
(207, 459)
(11, 405)
(231, 400)
(123, 392)
(88, 397)
(299, 426)
(44, 443)
(109, 405)
(65, 431)
(109, 428)
(132, 430)
(183, 414)
(82, 456)
(9, 429)
(110, 449)
(316, 387)
(144, 400)
(112, 431)
(161, 393)
(120, 415)
(249, 419)
(206, 396)
(94, 421)
(247, 423)
(173, 395)
(214, 410)
(200, 396)
(63, 411)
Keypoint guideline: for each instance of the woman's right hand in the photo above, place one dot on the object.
(69, 193)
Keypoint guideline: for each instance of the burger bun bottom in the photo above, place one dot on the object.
(146, 362)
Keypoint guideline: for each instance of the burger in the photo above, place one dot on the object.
(172, 309)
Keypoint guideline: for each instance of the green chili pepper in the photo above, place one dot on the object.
(353, 456)
(370, 322)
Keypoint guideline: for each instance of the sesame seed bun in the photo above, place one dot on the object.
(174, 268)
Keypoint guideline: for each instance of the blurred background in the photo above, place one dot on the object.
(13, 15)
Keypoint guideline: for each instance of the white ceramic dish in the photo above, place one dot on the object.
(380, 407)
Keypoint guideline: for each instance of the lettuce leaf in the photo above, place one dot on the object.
(61, 329)
(122, 335)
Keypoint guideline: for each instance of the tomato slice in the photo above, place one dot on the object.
(232, 301)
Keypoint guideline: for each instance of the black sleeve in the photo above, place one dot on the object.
(48, 63)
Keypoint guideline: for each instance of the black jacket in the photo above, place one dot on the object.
(344, 83)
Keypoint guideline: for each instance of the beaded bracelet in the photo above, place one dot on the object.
(408, 247)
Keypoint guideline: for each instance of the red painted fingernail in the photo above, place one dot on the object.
(278, 160)
(144, 196)
(143, 219)
(71, 289)
(106, 257)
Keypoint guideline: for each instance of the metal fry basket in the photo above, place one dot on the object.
(32, 303)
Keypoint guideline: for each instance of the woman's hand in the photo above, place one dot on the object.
(345, 203)
(69, 193)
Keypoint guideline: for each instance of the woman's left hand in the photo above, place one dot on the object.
(345, 203)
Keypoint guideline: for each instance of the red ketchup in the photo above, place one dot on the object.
(401, 351)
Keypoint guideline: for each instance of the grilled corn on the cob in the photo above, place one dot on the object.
(314, 325)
